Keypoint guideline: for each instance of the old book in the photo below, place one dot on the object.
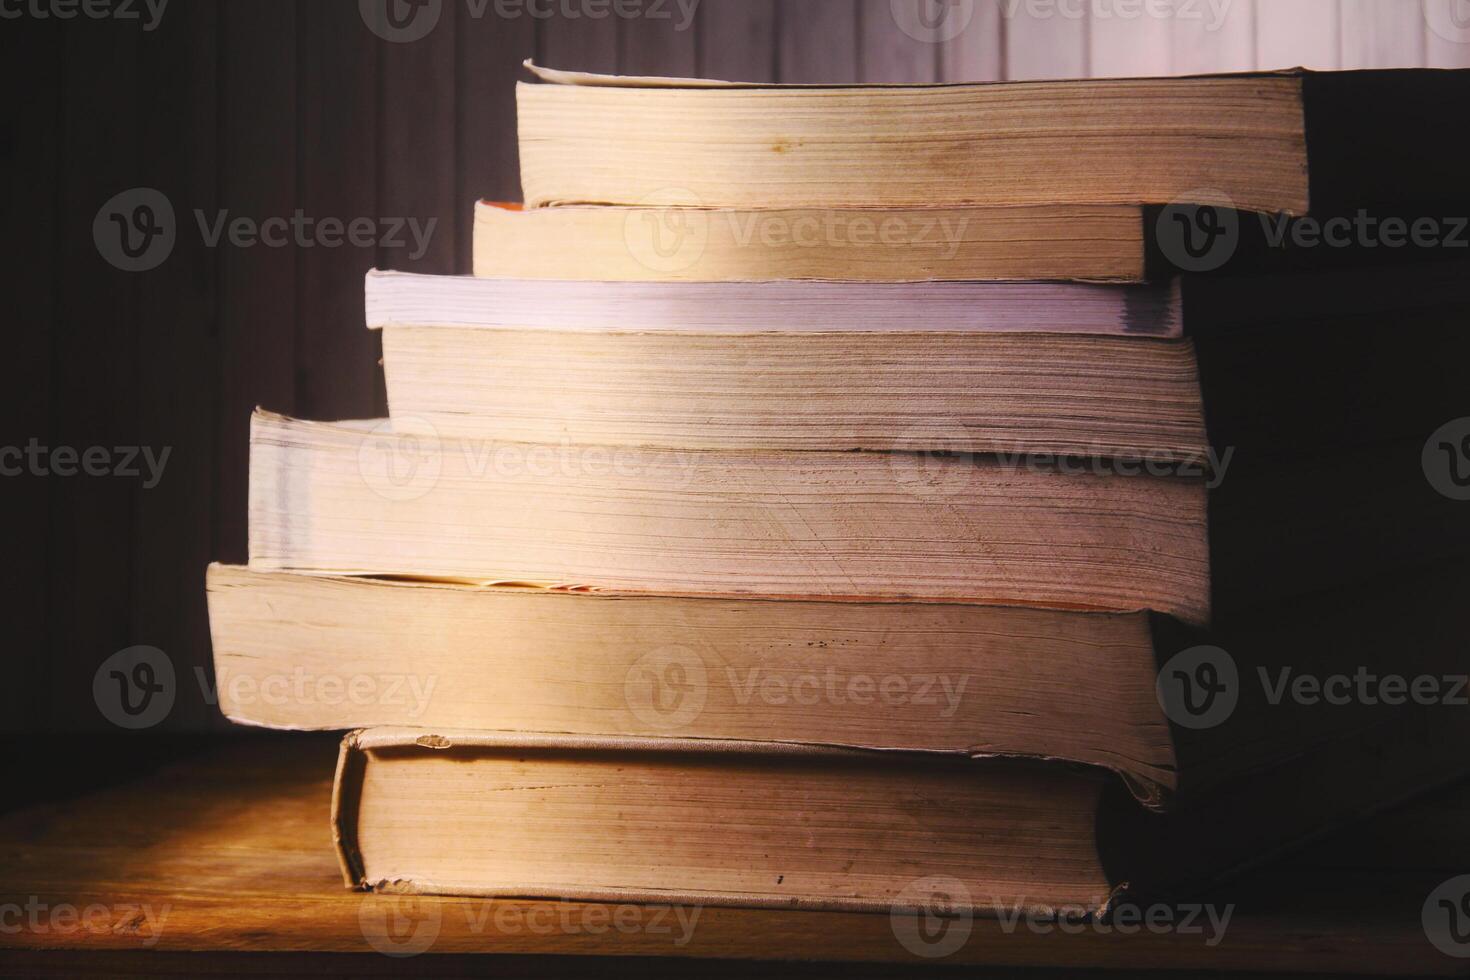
(1259, 142)
(977, 679)
(670, 243)
(1017, 366)
(317, 652)
(1188, 372)
(798, 306)
(383, 497)
(755, 824)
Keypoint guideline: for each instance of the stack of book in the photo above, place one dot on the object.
(826, 496)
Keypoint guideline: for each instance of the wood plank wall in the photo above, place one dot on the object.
(261, 108)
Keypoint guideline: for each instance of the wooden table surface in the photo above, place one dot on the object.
(223, 863)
